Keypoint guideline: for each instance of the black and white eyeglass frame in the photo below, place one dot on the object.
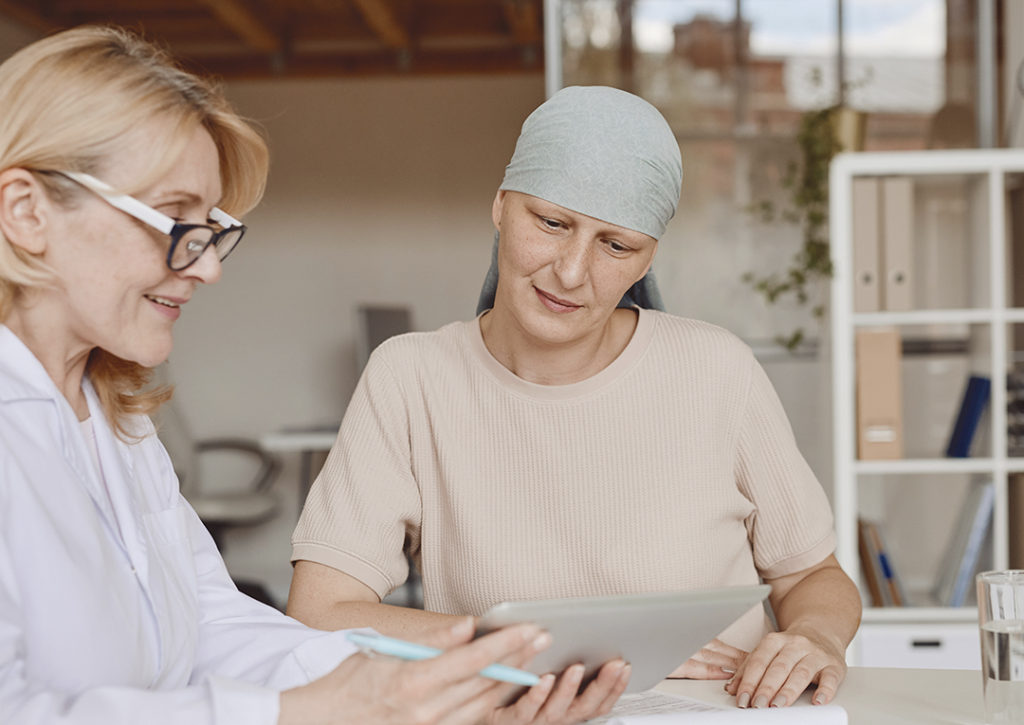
(224, 240)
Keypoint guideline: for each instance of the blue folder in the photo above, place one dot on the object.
(975, 399)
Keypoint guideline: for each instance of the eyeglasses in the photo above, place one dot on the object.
(188, 241)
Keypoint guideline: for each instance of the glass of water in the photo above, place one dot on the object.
(1001, 619)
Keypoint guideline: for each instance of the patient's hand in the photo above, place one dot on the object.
(782, 666)
(559, 702)
(715, 661)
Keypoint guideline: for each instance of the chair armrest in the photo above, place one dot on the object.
(269, 463)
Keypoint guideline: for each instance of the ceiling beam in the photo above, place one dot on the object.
(243, 22)
(31, 18)
(507, 60)
(522, 19)
(382, 20)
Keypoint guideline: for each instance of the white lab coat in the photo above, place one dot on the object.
(118, 610)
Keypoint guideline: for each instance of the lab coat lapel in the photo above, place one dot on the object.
(76, 453)
(118, 469)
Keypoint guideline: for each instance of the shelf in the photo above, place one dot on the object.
(980, 315)
(926, 317)
(938, 465)
(927, 465)
(957, 210)
(902, 615)
(899, 163)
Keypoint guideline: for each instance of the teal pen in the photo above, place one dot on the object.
(411, 651)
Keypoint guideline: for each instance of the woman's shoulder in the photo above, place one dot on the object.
(411, 355)
(692, 334)
(420, 347)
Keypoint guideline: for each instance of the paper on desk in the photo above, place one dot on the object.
(657, 708)
(652, 702)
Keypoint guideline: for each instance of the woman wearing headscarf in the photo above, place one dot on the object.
(121, 177)
(569, 441)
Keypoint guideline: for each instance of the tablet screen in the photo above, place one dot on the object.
(655, 633)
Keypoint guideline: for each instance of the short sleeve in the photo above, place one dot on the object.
(791, 527)
(364, 508)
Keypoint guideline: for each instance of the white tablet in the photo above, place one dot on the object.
(655, 633)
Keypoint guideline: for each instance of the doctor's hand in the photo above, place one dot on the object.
(558, 701)
(782, 666)
(715, 661)
(443, 690)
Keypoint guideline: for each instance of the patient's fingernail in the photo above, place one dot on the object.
(463, 627)
(779, 701)
(819, 698)
(760, 701)
(743, 700)
(627, 669)
(730, 670)
(542, 641)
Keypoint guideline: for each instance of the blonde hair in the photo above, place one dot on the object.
(68, 101)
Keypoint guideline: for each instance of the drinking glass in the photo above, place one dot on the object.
(1001, 620)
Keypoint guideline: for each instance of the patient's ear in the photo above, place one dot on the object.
(24, 210)
(496, 208)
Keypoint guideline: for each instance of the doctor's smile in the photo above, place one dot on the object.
(167, 306)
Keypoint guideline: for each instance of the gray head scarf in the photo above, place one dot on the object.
(601, 152)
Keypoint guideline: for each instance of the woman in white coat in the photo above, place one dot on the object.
(115, 606)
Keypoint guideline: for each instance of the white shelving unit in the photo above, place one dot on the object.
(949, 635)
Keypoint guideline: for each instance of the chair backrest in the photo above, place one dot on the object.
(261, 467)
(376, 323)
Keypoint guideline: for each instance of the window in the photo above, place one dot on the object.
(734, 77)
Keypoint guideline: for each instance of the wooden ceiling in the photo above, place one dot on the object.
(301, 38)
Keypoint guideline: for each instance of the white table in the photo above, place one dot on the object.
(881, 696)
(306, 442)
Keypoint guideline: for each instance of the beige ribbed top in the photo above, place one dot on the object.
(672, 468)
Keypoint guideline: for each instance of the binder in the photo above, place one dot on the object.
(880, 575)
(897, 220)
(865, 234)
(894, 594)
(869, 563)
(966, 545)
(975, 398)
(879, 394)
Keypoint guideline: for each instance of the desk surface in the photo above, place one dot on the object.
(882, 696)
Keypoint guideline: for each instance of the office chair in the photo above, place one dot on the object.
(244, 505)
(376, 323)
(226, 480)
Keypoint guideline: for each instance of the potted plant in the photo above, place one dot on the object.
(822, 134)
